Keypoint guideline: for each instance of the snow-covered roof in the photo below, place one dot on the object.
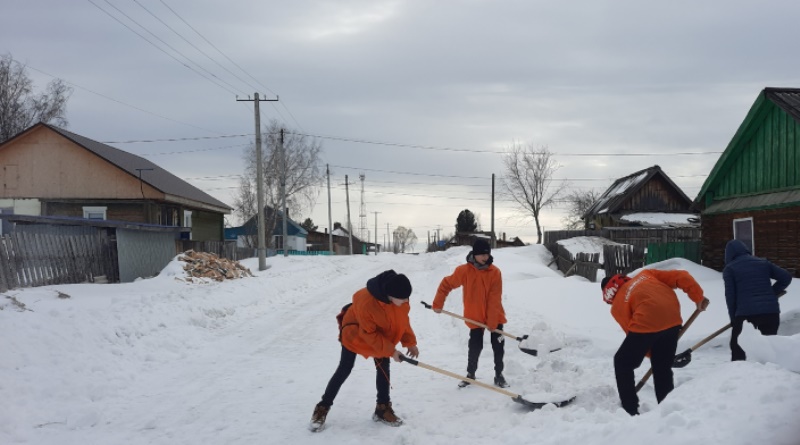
(662, 219)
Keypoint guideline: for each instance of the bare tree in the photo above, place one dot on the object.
(20, 107)
(404, 240)
(299, 161)
(245, 206)
(579, 202)
(529, 180)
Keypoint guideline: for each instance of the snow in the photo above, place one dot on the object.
(661, 219)
(164, 361)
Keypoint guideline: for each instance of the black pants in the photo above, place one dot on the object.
(767, 324)
(476, 346)
(662, 346)
(346, 362)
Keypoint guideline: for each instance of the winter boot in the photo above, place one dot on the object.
(384, 413)
(318, 418)
(464, 383)
(500, 381)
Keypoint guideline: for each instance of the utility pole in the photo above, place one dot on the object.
(330, 225)
(388, 239)
(494, 239)
(362, 214)
(376, 232)
(283, 197)
(349, 226)
(262, 249)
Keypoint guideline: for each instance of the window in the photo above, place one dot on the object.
(187, 220)
(278, 241)
(94, 212)
(743, 231)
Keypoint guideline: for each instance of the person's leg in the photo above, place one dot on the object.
(382, 382)
(662, 354)
(474, 353)
(767, 324)
(629, 356)
(346, 362)
(737, 353)
(499, 350)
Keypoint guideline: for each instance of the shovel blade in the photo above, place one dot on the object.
(534, 352)
(682, 359)
(538, 405)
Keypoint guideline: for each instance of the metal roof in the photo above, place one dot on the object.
(154, 175)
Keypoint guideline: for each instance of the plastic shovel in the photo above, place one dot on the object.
(515, 397)
(476, 323)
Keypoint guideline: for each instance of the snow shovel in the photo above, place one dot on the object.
(688, 323)
(519, 339)
(515, 397)
(685, 357)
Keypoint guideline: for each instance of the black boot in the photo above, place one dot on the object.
(464, 383)
(500, 381)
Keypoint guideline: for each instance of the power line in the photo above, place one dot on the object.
(158, 47)
(197, 138)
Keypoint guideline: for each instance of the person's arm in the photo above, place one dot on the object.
(730, 291)
(494, 302)
(782, 278)
(445, 287)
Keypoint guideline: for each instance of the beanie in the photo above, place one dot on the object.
(481, 247)
(398, 286)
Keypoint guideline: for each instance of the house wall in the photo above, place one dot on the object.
(134, 212)
(656, 195)
(207, 226)
(776, 236)
(44, 164)
(769, 160)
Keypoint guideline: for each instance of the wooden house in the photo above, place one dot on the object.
(753, 191)
(646, 198)
(49, 171)
(246, 235)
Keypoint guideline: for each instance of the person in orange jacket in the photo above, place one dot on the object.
(647, 308)
(482, 293)
(371, 326)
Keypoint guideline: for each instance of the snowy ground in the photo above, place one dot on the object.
(162, 361)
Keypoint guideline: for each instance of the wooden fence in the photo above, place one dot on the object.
(616, 259)
(638, 237)
(36, 259)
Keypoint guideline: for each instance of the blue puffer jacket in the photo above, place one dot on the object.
(748, 286)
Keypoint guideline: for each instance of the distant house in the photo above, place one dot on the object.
(48, 171)
(646, 198)
(246, 235)
(753, 191)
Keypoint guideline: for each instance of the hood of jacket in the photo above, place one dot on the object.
(377, 285)
(735, 249)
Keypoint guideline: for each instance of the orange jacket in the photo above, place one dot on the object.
(372, 328)
(647, 303)
(483, 292)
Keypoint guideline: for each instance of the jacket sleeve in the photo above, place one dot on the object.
(494, 301)
(682, 280)
(372, 335)
(408, 339)
(446, 286)
(782, 278)
(730, 291)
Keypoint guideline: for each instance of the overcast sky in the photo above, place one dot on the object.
(422, 97)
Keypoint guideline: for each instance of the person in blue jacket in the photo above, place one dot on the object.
(750, 294)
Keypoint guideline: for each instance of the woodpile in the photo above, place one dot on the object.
(209, 265)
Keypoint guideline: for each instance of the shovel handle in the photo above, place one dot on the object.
(418, 363)
(477, 323)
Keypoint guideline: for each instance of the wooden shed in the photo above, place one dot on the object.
(648, 191)
(753, 191)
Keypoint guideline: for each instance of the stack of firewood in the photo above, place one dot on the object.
(209, 265)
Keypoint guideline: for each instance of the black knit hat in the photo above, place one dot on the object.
(481, 247)
(398, 286)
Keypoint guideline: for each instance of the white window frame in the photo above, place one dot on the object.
(749, 238)
(96, 209)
